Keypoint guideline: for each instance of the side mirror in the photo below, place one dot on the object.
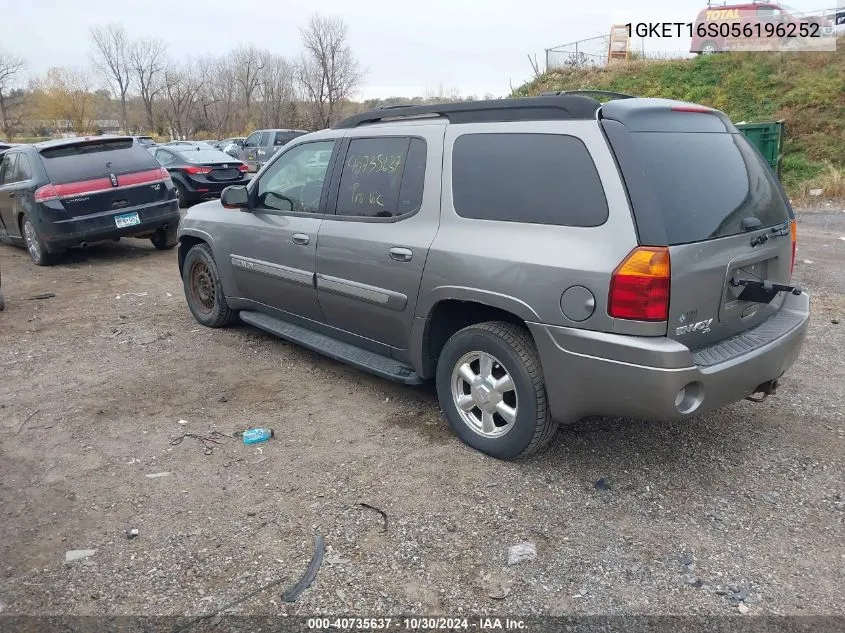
(235, 197)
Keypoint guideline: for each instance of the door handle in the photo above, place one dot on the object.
(300, 238)
(401, 254)
(12, 194)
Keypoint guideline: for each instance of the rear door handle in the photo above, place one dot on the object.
(401, 254)
(300, 238)
(12, 194)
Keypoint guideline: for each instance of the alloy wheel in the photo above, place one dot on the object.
(484, 394)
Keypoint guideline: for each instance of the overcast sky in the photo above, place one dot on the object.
(474, 46)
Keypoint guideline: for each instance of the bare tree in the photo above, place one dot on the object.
(111, 59)
(65, 98)
(220, 97)
(327, 69)
(441, 93)
(278, 92)
(147, 59)
(10, 67)
(181, 87)
(248, 63)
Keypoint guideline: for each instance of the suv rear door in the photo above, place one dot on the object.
(699, 187)
(383, 215)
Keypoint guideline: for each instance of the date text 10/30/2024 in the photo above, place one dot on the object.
(416, 624)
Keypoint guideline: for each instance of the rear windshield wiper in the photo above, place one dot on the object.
(777, 231)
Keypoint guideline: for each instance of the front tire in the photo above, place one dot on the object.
(491, 388)
(165, 239)
(203, 290)
(34, 244)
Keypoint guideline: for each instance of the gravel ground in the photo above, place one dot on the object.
(737, 511)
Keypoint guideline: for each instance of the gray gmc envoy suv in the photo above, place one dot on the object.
(541, 259)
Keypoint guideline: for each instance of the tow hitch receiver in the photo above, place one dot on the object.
(761, 291)
(768, 388)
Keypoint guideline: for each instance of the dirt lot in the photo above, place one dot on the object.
(744, 505)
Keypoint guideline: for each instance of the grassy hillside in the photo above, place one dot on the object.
(806, 90)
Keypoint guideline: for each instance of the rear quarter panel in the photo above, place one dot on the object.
(525, 268)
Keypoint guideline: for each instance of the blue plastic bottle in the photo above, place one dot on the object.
(254, 436)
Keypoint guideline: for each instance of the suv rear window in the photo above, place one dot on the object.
(707, 183)
(77, 149)
(94, 159)
(533, 178)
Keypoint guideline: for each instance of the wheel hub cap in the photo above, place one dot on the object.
(484, 394)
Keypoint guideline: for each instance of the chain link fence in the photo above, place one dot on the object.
(593, 53)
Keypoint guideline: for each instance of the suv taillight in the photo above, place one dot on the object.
(793, 232)
(639, 287)
(46, 193)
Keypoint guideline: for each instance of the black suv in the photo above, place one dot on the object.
(74, 192)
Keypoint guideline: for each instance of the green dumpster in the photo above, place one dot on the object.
(767, 137)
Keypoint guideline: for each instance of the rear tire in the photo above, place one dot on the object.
(34, 244)
(203, 290)
(491, 388)
(709, 48)
(165, 239)
(181, 194)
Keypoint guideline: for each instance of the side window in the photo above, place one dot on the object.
(252, 139)
(23, 170)
(766, 13)
(266, 139)
(294, 182)
(382, 177)
(7, 168)
(533, 178)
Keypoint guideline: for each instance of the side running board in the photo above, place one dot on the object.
(333, 348)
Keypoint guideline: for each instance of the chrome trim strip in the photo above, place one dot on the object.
(371, 294)
(294, 275)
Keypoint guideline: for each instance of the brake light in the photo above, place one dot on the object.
(243, 168)
(46, 193)
(96, 185)
(692, 108)
(143, 177)
(793, 231)
(197, 170)
(639, 287)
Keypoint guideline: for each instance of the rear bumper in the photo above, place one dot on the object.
(595, 373)
(211, 189)
(62, 234)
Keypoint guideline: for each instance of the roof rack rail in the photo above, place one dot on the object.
(390, 107)
(545, 107)
(597, 93)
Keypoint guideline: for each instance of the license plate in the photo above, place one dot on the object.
(127, 219)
